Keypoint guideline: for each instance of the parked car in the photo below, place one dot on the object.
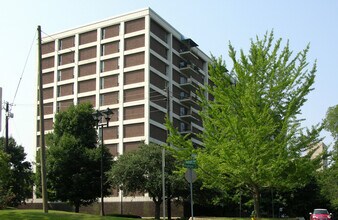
(320, 214)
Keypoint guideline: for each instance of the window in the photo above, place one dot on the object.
(59, 75)
(166, 53)
(101, 99)
(102, 83)
(183, 95)
(166, 70)
(60, 60)
(103, 50)
(102, 66)
(103, 33)
(60, 44)
(59, 91)
(183, 126)
(58, 106)
(183, 80)
(183, 111)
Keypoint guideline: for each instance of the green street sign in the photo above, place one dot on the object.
(191, 164)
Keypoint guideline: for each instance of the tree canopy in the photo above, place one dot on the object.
(140, 171)
(73, 158)
(328, 177)
(252, 135)
(19, 180)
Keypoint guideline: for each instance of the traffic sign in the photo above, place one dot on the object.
(191, 164)
(190, 175)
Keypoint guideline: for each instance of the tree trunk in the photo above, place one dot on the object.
(157, 209)
(169, 203)
(257, 198)
(77, 207)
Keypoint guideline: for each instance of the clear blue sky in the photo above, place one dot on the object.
(212, 24)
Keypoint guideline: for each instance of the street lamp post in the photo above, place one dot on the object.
(98, 115)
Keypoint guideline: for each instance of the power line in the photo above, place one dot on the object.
(24, 68)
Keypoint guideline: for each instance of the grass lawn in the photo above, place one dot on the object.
(22, 214)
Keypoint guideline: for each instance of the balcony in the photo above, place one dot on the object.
(185, 128)
(188, 83)
(188, 54)
(188, 69)
(188, 98)
(187, 115)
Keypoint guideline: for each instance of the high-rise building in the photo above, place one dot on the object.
(129, 63)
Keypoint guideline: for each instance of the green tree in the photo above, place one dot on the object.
(73, 159)
(5, 193)
(328, 177)
(141, 172)
(20, 179)
(252, 136)
(331, 121)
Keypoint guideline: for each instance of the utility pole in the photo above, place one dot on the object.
(42, 129)
(6, 121)
(163, 161)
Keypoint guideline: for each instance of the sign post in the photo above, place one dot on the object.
(190, 176)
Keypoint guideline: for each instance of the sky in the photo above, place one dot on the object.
(212, 24)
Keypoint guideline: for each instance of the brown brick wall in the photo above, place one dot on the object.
(134, 25)
(88, 37)
(86, 86)
(87, 53)
(176, 92)
(48, 47)
(110, 48)
(134, 42)
(176, 60)
(87, 69)
(90, 99)
(66, 43)
(133, 112)
(158, 48)
(176, 76)
(157, 81)
(145, 209)
(47, 77)
(158, 31)
(109, 65)
(111, 31)
(110, 132)
(157, 115)
(133, 130)
(63, 105)
(134, 59)
(176, 44)
(48, 108)
(48, 124)
(158, 64)
(133, 94)
(158, 98)
(48, 93)
(47, 63)
(65, 90)
(66, 58)
(109, 98)
(176, 108)
(67, 73)
(112, 149)
(158, 133)
(109, 81)
(134, 77)
(130, 146)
